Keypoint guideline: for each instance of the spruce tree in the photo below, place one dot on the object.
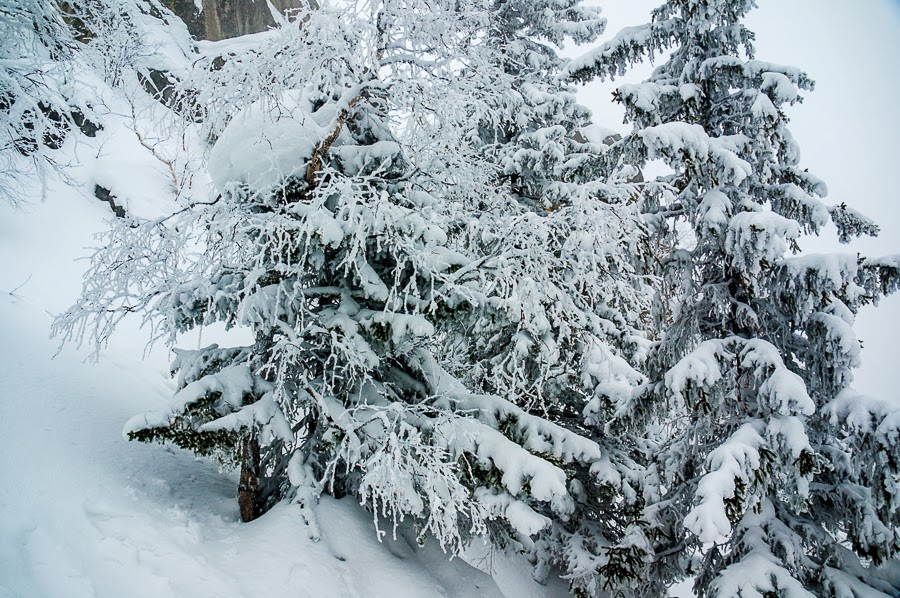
(566, 335)
(769, 476)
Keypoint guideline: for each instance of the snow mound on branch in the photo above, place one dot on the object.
(267, 143)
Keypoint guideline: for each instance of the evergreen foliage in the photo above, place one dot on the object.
(769, 474)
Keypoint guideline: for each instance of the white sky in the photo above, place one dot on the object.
(848, 129)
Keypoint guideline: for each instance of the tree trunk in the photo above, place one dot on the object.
(248, 487)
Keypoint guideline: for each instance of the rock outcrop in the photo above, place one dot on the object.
(222, 19)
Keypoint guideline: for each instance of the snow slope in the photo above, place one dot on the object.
(86, 513)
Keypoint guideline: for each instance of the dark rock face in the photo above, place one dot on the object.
(105, 195)
(187, 12)
(159, 84)
(222, 19)
(49, 127)
(87, 127)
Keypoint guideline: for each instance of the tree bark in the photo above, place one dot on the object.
(248, 487)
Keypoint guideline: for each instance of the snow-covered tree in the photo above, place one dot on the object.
(769, 476)
(35, 114)
(407, 215)
(563, 338)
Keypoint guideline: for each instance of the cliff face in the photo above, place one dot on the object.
(221, 19)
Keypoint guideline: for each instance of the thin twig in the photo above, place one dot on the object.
(12, 293)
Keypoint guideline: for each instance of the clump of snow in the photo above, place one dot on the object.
(232, 384)
(757, 237)
(522, 517)
(628, 38)
(267, 143)
(677, 142)
(730, 461)
(714, 211)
